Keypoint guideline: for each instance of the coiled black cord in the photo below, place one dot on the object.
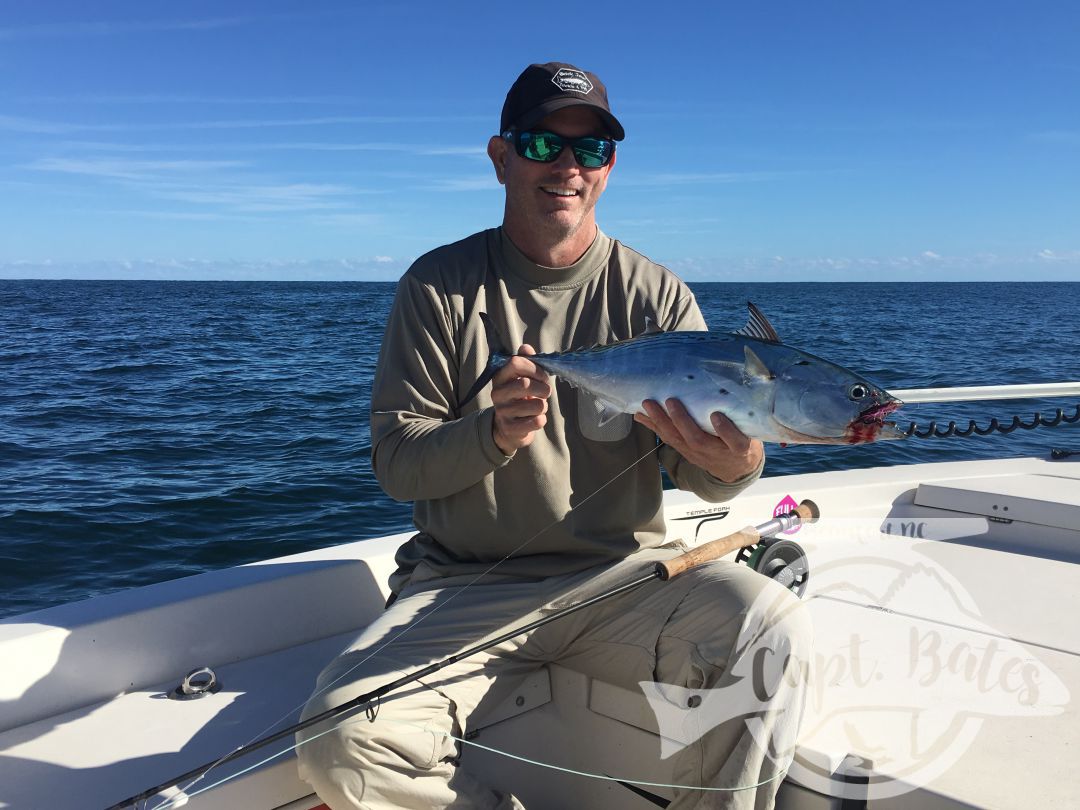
(933, 431)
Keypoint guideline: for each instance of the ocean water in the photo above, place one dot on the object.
(151, 430)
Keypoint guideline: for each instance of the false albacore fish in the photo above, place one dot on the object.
(771, 391)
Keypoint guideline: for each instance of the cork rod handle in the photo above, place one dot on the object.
(713, 550)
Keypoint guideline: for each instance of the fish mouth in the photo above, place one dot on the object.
(876, 413)
(870, 425)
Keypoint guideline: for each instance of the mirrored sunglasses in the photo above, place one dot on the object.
(544, 147)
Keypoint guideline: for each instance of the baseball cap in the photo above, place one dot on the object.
(542, 89)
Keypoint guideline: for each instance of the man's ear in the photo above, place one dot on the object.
(499, 152)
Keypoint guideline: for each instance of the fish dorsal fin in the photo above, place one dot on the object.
(755, 367)
(651, 327)
(758, 326)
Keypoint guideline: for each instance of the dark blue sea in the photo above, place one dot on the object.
(151, 430)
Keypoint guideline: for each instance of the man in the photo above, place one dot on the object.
(521, 503)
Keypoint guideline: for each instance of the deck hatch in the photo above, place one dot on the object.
(1042, 500)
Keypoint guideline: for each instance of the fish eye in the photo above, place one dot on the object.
(858, 391)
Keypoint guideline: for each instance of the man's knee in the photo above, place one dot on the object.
(410, 730)
(332, 765)
(733, 611)
(372, 755)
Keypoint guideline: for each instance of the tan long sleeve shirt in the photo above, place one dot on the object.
(545, 510)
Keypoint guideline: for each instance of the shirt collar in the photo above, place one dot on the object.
(555, 278)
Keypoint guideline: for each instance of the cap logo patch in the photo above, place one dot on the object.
(572, 80)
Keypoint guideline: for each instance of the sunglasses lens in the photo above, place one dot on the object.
(592, 153)
(541, 146)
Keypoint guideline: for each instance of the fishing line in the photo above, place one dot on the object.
(409, 627)
(184, 797)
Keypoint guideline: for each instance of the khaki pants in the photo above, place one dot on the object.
(703, 630)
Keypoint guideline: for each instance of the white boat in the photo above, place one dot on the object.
(946, 673)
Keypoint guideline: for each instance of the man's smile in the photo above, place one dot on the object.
(559, 191)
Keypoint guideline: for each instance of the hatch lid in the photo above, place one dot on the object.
(1044, 500)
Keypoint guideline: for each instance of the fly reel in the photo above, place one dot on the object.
(782, 560)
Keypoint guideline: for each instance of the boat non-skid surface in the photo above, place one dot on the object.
(946, 660)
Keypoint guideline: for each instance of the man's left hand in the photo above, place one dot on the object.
(729, 455)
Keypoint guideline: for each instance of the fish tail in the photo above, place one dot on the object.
(496, 360)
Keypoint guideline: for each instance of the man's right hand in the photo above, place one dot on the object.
(519, 392)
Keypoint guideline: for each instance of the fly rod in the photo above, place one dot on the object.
(806, 512)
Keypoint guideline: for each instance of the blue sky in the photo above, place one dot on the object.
(765, 140)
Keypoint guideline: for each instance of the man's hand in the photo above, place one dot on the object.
(519, 391)
(729, 455)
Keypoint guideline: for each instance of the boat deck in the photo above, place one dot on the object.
(945, 674)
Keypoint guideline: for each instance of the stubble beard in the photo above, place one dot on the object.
(562, 226)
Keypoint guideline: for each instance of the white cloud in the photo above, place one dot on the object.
(171, 98)
(262, 198)
(182, 216)
(14, 123)
(1044, 266)
(697, 178)
(211, 183)
(485, 183)
(975, 267)
(96, 28)
(344, 269)
(281, 146)
(19, 124)
(462, 151)
(350, 220)
(129, 169)
(1058, 255)
(306, 122)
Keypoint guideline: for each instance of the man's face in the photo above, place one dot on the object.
(552, 199)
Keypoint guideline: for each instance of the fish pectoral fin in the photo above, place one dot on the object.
(597, 410)
(606, 412)
(601, 420)
(758, 326)
(754, 368)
